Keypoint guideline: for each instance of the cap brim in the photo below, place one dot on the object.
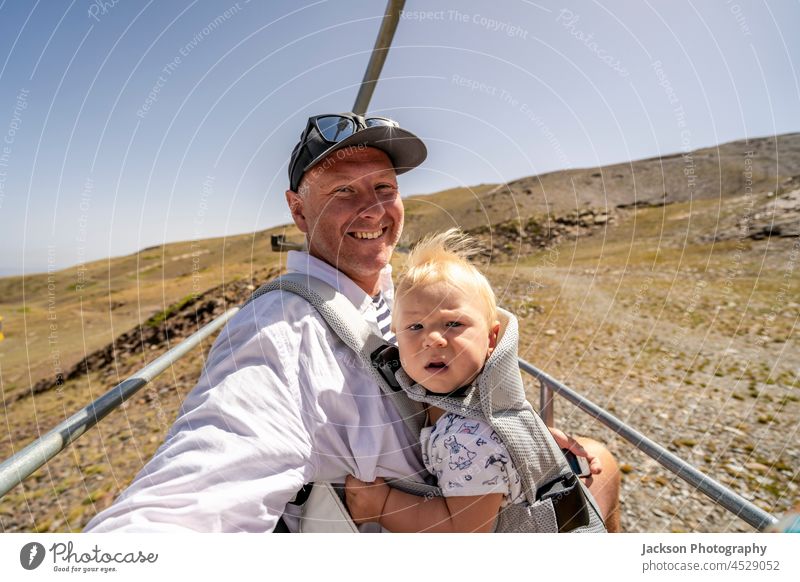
(405, 150)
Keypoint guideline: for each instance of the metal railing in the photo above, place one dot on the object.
(717, 492)
(21, 465)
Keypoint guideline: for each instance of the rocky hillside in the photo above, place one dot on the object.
(715, 173)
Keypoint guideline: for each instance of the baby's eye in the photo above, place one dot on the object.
(454, 324)
(415, 326)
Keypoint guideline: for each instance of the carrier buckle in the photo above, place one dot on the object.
(386, 360)
(569, 502)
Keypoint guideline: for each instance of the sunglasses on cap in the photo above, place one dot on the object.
(335, 128)
(323, 134)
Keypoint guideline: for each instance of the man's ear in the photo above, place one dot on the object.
(295, 203)
(493, 333)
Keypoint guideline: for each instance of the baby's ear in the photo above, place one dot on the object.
(493, 333)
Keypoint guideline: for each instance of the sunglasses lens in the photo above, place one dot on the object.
(378, 121)
(335, 128)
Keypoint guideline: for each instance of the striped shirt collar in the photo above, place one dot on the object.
(383, 316)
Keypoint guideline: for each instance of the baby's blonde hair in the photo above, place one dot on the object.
(444, 257)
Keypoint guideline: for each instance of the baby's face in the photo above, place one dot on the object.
(443, 336)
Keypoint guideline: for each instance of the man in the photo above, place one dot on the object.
(280, 403)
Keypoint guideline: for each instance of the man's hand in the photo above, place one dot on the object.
(568, 442)
(365, 501)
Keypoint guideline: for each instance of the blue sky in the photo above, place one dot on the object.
(129, 124)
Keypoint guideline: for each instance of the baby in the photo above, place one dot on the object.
(445, 319)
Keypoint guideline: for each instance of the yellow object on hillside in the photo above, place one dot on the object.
(1, 328)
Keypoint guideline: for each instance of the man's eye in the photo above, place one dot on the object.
(343, 190)
(387, 190)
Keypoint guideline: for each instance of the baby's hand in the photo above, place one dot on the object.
(568, 442)
(365, 501)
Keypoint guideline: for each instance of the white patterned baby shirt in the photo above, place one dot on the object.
(467, 457)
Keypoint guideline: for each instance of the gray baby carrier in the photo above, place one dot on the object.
(555, 499)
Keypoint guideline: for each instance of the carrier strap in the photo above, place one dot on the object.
(348, 324)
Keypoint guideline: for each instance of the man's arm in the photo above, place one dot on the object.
(404, 513)
(240, 448)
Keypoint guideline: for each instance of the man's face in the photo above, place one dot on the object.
(351, 212)
(443, 335)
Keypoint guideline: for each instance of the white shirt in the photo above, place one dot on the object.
(281, 402)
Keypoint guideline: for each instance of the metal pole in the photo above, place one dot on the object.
(718, 493)
(546, 403)
(379, 52)
(20, 466)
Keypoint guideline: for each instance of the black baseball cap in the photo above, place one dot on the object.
(325, 134)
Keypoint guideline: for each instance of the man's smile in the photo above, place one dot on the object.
(368, 235)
